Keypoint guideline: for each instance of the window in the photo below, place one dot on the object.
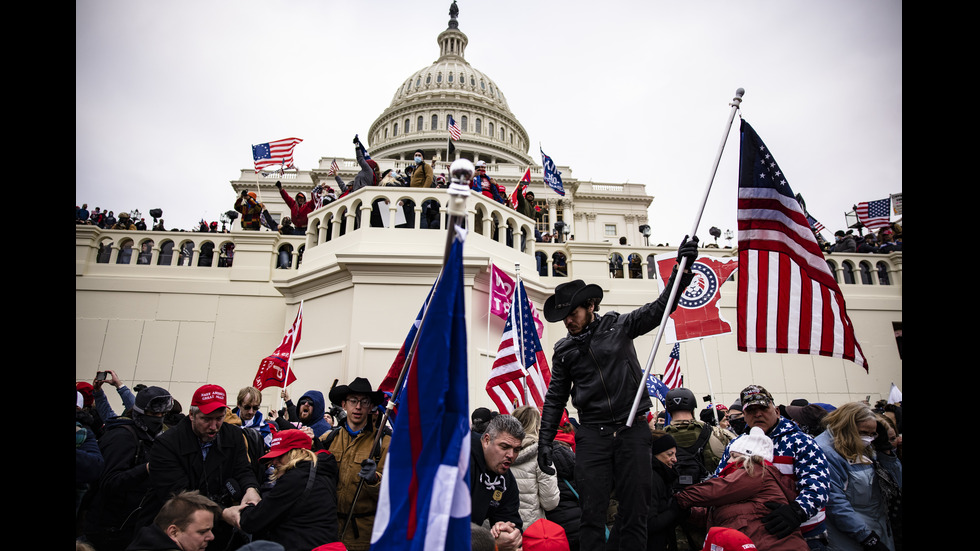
(166, 254)
(479, 127)
(865, 273)
(435, 123)
(490, 129)
(462, 124)
(883, 274)
(407, 126)
(450, 78)
(848, 269)
(610, 230)
(394, 130)
(439, 78)
(418, 124)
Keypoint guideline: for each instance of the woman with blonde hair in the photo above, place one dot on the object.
(857, 512)
(538, 490)
(300, 511)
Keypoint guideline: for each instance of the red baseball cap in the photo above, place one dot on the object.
(726, 539)
(287, 440)
(209, 398)
(545, 535)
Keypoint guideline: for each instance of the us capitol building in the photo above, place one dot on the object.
(179, 310)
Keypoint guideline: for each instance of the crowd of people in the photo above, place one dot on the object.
(884, 240)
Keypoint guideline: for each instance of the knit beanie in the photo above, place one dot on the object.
(754, 443)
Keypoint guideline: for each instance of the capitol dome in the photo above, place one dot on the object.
(450, 87)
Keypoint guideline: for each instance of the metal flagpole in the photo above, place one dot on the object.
(711, 390)
(292, 348)
(736, 101)
(460, 173)
(519, 330)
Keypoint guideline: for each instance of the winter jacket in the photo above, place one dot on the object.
(297, 214)
(798, 456)
(319, 425)
(293, 517)
(366, 177)
(599, 367)
(538, 491)
(350, 451)
(663, 516)
(422, 176)
(856, 506)
(152, 538)
(738, 501)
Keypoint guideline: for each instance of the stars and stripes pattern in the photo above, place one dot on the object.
(520, 361)
(874, 214)
(788, 301)
(815, 224)
(454, 132)
(279, 152)
(334, 168)
(672, 375)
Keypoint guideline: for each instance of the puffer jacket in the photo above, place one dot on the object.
(538, 491)
(601, 362)
(738, 501)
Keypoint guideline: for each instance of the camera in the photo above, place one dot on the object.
(101, 375)
(338, 413)
(231, 494)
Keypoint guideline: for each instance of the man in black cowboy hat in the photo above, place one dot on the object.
(597, 365)
(351, 443)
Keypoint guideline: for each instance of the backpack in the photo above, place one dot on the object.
(690, 461)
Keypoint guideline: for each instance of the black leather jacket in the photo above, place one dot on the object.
(599, 367)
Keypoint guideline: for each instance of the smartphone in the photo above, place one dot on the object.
(101, 375)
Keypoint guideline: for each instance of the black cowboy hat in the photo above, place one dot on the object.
(569, 296)
(359, 385)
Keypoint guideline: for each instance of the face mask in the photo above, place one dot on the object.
(418, 160)
(867, 440)
(738, 425)
(153, 424)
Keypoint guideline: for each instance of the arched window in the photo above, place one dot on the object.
(146, 252)
(418, 124)
(394, 130)
(186, 252)
(285, 257)
(490, 129)
(616, 265)
(636, 266)
(883, 278)
(226, 254)
(651, 267)
(125, 252)
(559, 267)
(207, 255)
(462, 123)
(435, 123)
(408, 126)
(833, 270)
(166, 254)
(479, 127)
(848, 270)
(866, 278)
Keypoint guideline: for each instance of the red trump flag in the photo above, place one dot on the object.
(275, 370)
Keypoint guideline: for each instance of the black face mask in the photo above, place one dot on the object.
(152, 425)
(738, 425)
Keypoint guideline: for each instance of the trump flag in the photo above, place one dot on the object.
(697, 313)
(274, 370)
(425, 496)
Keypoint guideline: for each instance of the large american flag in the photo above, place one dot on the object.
(788, 300)
(279, 152)
(874, 214)
(511, 370)
(672, 375)
(453, 128)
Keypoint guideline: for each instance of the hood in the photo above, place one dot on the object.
(529, 452)
(319, 405)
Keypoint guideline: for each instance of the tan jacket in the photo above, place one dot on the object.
(350, 452)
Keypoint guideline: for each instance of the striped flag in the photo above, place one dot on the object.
(672, 375)
(521, 186)
(279, 152)
(874, 214)
(453, 128)
(274, 370)
(815, 224)
(334, 168)
(511, 370)
(424, 500)
(788, 301)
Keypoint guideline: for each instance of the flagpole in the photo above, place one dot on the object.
(460, 173)
(520, 326)
(711, 390)
(736, 101)
(292, 348)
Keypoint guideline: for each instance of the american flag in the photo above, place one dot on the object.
(815, 224)
(453, 128)
(874, 214)
(279, 152)
(672, 375)
(511, 371)
(788, 301)
(334, 168)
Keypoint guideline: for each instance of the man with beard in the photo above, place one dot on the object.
(204, 453)
(351, 443)
(493, 490)
(308, 411)
(126, 444)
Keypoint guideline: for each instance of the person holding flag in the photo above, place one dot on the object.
(596, 364)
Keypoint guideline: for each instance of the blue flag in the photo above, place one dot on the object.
(425, 495)
(551, 175)
(658, 390)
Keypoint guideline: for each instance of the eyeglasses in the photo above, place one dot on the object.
(364, 402)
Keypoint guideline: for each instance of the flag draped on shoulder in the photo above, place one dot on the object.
(697, 314)
(874, 214)
(425, 498)
(521, 362)
(279, 152)
(788, 301)
(275, 370)
(551, 175)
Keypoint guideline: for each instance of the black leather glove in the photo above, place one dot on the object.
(278, 184)
(873, 543)
(369, 471)
(784, 518)
(356, 140)
(544, 458)
(689, 250)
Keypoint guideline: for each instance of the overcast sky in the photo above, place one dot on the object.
(170, 96)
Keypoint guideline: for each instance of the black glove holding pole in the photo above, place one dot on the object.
(689, 250)
(544, 457)
(784, 518)
(369, 471)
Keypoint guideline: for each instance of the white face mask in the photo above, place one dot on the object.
(867, 440)
(418, 160)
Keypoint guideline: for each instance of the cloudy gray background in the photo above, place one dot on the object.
(170, 96)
